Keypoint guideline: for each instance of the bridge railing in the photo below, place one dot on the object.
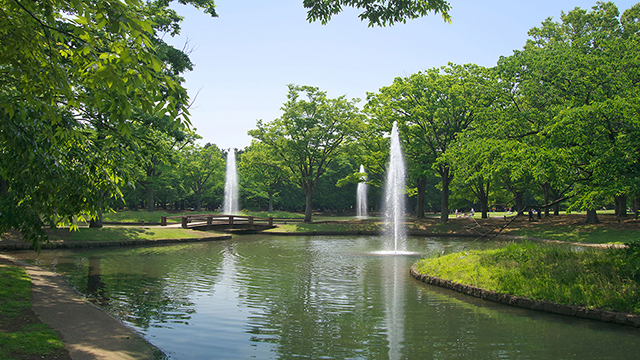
(225, 219)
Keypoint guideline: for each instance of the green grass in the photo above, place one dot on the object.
(593, 234)
(32, 340)
(155, 216)
(122, 233)
(334, 226)
(143, 215)
(603, 279)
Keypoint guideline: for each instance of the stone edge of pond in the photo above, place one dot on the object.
(546, 306)
(117, 243)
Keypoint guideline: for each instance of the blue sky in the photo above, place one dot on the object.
(245, 58)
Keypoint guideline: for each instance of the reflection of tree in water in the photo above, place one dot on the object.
(307, 305)
(95, 286)
(132, 287)
(145, 301)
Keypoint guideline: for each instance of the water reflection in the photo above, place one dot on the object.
(316, 297)
(393, 286)
(95, 285)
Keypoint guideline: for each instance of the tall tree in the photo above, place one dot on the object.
(588, 65)
(76, 74)
(431, 108)
(310, 135)
(263, 172)
(201, 169)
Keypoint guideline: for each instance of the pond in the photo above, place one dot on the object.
(268, 297)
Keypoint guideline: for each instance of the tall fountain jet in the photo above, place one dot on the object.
(361, 204)
(394, 196)
(231, 200)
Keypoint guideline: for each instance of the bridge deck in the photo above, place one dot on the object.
(222, 222)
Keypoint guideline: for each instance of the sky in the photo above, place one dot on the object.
(245, 58)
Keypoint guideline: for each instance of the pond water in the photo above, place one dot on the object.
(320, 298)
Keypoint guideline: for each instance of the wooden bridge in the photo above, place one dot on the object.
(231, 223)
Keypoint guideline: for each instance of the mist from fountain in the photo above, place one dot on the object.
(361, 197)
(231, 199)
(395, 232)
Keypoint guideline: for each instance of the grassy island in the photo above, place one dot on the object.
(605, 279)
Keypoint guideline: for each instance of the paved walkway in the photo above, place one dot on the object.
(88, 332)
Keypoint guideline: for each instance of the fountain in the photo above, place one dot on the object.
(394, 197)
(361, 204)
(231, 201)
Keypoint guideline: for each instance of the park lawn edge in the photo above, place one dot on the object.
(589, 278)
(22, 340)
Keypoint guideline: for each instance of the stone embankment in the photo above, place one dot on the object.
(569, 310)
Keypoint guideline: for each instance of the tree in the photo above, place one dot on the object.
(76, 77)
(201, 169)
(377, 12)
(588, 66)
(263, 172)
(309, 135)
(431, 108)
(475, 162)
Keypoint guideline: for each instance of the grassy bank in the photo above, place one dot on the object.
(22, 335)
(118, 233)
(603, 279)
(155, 216)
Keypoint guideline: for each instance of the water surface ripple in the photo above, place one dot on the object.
(318, 298)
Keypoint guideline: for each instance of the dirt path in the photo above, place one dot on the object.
(88, 332)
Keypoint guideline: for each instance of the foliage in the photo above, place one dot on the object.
(309, 135)
(585, 70)
(202, 170)
(377, 12)
(78, 77)
(262, 173)
(431, 108)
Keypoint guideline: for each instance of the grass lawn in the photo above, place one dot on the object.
(603, 279)
(572, 228)
(119, 233)
(22, 335)
(332, 226)
(155, 216)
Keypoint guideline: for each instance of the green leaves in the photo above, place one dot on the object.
(79, 79)
(377, 12)
(310, 134)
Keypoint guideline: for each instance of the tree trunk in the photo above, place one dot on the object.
(592, 217)
(621, 205)
(519, 201)
(150, 202)
(270, 202)
(198, 203)
(484, 201)
(635, 206)
(422, 185)
(546, 190)
(97, 222)
(444, 206)
(308, 206)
